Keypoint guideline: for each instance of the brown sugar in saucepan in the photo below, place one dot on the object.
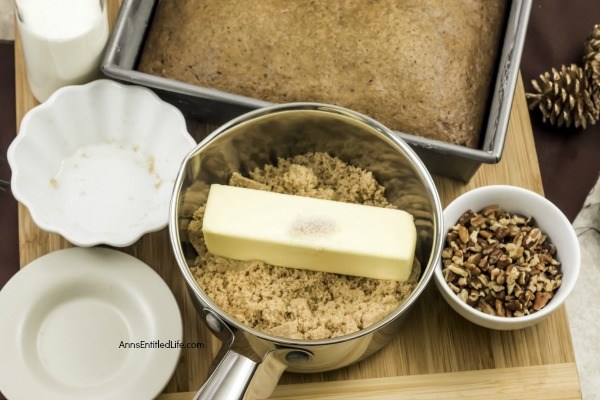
(294, 303)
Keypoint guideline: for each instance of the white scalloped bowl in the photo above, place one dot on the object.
(96, 163)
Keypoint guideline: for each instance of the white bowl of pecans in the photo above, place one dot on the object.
(510, 257)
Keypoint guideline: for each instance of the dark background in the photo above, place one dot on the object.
(9, 246)
(569, 158)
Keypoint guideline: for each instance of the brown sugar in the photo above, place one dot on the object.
(294, 303)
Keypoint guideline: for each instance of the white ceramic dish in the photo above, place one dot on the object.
(96, 163)
(547, 217)
(62, 319)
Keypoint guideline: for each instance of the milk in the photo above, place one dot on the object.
(63, 42)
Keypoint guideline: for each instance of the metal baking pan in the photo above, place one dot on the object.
(127, 43)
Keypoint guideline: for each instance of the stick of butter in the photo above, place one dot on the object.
(307, 233)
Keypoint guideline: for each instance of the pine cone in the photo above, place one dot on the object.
(591, 58)
(565, 97)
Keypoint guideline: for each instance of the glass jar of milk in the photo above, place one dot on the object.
(62, 41)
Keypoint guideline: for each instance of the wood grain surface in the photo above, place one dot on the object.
(556, 381)
(435, 340)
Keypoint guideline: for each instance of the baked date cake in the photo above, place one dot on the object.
(422, 67)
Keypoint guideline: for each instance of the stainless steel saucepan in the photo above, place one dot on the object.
(251, 362)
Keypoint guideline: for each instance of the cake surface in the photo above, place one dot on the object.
(422, 67)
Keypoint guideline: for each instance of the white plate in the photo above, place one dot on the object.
(62, 320)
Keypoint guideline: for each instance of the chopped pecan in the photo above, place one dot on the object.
(533, 237)
(486, 307)
(463, 234)
(473, 297)
(473, 269)
(518, 290)
(458, 257)
(541, 299)
(453, 287)
(514, 305)
(466, 217)
(485, 234)
(501, 233)
(458, 271)
(489, 210)
(510, 287)
(448, 252)
(527, 296)
(476, 284)
(449, 276)
(499, 263)
(496, 287)
(478, 220)
(500, 311)
(523, 278)
(474, 258)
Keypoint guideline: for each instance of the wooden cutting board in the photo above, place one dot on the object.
(438, 353)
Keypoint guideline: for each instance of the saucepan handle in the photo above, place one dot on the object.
(230, 379)
(240, 372)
